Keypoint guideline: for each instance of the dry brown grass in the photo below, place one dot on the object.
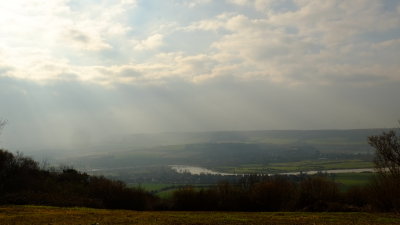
(24, 215)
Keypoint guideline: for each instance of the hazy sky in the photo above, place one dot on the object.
(78, 71)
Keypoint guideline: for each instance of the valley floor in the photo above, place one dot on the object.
(24, 215)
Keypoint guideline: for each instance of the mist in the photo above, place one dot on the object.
(74, 115)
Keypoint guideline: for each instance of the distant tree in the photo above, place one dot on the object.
(387, 153)
(2, 124)
(385, 194)
(275, 194)
(318, 194)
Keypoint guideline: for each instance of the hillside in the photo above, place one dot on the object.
(324, 139)
(216, 149)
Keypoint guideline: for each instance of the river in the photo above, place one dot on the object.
(195, 170)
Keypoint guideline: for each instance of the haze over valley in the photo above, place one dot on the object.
(226, 105)
(77, 74)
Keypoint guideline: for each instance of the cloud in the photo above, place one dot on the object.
(267, 5)
(194, 3)
(4, 69)
(152, 42)
(320, 42)
(60, 35)
(292, 42)
(81, 40)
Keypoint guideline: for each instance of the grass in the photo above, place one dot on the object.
(308, 165)
(347, 180)
(166, 194)
(151, 186)
(24, 215)
(162, 190)
(165, 190)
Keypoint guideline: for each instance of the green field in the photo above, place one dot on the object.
(308, 165)
(152, 187)
(24, 215)
(165, 190)
(347, 180)
(159, 189)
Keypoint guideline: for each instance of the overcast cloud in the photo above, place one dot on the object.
(75, 71)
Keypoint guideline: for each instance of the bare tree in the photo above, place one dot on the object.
(384, 189)
(387, 153)
(2, 124)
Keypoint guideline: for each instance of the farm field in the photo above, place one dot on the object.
(166, 190)
(23, 215)
(306, 165)
(152, 187)
(161, 190)
(347, 180)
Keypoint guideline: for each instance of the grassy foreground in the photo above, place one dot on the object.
(52, 215)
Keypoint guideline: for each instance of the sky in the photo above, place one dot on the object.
(74, 72)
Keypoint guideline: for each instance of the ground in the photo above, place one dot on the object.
(24, 215)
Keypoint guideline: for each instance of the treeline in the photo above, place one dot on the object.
(275, 193)
(22, 181)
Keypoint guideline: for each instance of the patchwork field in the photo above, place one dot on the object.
(347, 180)
(306, 165)
(24, 215)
